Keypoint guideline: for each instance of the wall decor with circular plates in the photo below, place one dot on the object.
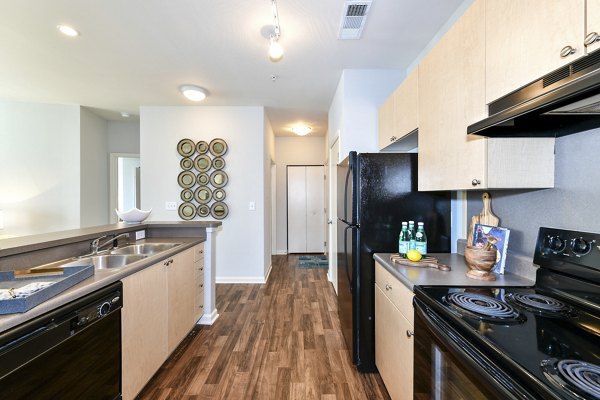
(187, 195)
(187, 211)
(217, 147)
(186, 147)
(202, 147)
(202, 179)
(219, 210)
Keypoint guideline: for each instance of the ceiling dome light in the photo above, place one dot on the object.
(67, 30)
(301, 130)
(275, 50)
(193, 93)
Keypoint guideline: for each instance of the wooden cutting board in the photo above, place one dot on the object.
(485, 217)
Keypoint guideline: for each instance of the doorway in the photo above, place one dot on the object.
(125, 191)
(305, 209)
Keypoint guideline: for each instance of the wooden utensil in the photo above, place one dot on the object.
(425, 262)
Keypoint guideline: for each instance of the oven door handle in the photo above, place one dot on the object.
(468, 354)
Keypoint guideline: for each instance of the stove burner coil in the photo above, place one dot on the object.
(484, 307)
(578, 377)
(538, 302)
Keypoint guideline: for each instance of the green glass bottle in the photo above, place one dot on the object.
(421, 239)
(411, 232)
(403, 240)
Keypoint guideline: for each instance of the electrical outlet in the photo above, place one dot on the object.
(140, 234)
(252, 206)
(171, 205)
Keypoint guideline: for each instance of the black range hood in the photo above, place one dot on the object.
(560, 103)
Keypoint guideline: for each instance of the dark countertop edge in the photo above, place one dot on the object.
(515, 280)
(25, 244)
(100, 279)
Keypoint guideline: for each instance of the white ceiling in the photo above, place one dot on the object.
(137, 52)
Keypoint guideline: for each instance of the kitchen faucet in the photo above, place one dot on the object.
(96, 245)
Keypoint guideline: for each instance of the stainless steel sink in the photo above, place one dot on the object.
(106, 261)
(145, 248)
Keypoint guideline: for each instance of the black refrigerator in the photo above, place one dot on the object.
(376, 192)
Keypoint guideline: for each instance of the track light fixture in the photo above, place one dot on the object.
(275, 49)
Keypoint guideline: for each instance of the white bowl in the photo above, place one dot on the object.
(133, 216)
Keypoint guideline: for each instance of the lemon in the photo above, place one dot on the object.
(413, 255)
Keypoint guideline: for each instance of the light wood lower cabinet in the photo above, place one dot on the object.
(144, 332)
(160, 307)
(394, 331)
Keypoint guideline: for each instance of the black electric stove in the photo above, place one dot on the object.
(538, 342)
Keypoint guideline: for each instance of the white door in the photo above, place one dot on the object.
(305, 209)
(332, 209)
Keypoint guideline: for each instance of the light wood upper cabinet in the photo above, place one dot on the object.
(451, 97)
(399, 115)
(143, 327)
(524, 40)
(592, 24)
(394, 344)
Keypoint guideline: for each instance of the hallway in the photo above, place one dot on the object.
(280, 340)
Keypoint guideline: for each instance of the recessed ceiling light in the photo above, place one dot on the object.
(125, 114)
(193, 92)
(67, 30)
(301, 130)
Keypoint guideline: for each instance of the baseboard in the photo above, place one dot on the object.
(268, 273)
(208, 319)
(241, 279)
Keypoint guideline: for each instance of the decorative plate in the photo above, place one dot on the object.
(219, 210)
(202, 163)
(203, 195)
(187, 211)
(202, 179)
(217, 147)
(203, 210)
(218, 179)
(202, 147)
(186, 163)
(186, 179)
(186, 147)
(219, 194)
(218, 163)
(187, 195)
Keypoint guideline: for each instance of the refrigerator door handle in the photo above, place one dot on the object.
(346, 255)
(346, 193)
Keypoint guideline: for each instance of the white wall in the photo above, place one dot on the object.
(240, 245)
(269, 159)
(39, 167)
(355, 107)
(124, 137)
(94, 169)
(308, 150)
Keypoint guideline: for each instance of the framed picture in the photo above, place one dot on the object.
(496, 237)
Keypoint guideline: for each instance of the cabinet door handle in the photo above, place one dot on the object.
(388, 286)
(567, 51)
(475, 182)
(591, 38)
(393, 138)
(409, 333)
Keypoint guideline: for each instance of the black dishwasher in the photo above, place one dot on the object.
(73, 352)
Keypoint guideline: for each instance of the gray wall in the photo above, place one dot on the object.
(573, 203)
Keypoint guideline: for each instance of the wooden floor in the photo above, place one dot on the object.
(280, 340)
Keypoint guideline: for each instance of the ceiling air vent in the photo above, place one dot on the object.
(354, 18)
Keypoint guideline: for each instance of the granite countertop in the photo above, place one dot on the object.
(100, 279)
(412, 276)
(23, 244)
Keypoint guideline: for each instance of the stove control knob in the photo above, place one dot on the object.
(580, 246)
(556, 243)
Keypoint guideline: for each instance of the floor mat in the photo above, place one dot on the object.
(313, 262)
